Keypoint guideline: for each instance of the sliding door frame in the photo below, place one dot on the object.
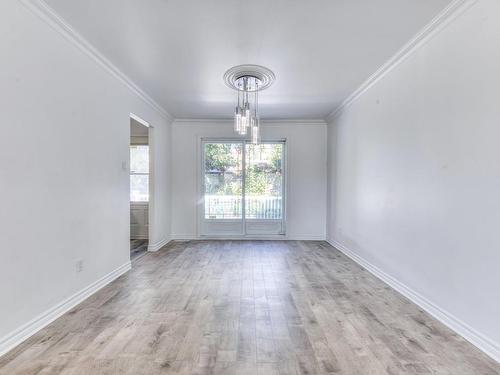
(201, 188)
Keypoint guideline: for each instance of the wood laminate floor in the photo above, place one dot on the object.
(247, 307)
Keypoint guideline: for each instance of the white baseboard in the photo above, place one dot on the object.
(487, 345)
(277, 237)
(305, 237)
(139, 237)
(184, 237)
(16, 337)
(158, 245)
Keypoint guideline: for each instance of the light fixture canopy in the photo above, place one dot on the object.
(248, 80)
(264, 76)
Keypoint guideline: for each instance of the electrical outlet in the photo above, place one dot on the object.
(79, 265)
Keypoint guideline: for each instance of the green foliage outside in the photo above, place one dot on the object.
(221, 157)
(223, 169)
(263, 175)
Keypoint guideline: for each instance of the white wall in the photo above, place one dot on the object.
(160, 137)
(306, 165)
(414, 168)
(64, 192)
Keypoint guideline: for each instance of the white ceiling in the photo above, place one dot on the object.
(178, 50)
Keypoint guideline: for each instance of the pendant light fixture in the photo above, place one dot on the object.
(248, 80)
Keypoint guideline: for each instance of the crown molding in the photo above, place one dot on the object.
(264, 122)
(41, 9)
(295, 121)
(433, 28)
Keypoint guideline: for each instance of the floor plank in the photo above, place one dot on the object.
(247, 307)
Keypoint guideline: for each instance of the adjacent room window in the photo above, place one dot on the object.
(139, 173)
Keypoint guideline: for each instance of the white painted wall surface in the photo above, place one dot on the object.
(306, 166)
(414, 169)
(160, 184)
(64, 193)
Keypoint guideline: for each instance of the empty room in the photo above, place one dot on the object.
(267, 187)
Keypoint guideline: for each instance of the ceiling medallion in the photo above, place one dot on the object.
(248, 80)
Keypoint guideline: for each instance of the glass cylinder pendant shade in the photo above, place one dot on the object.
(255, 130)
(237, 120)
(246, 118)
(248, 80)
(244, 125)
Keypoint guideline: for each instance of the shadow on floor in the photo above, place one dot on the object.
(138, 248)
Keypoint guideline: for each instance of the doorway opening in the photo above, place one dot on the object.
(139, 186)
(243, 188)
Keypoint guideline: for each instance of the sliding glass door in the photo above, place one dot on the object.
(222, 188)
(264, 188)
(242, 188)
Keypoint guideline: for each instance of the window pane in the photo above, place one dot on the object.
(223, 180)
(139, 159)
(264, 181)
(139, 188)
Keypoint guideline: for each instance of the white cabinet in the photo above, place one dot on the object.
(139, 220)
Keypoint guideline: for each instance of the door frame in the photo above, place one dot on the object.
(200, 207)
(150, 203)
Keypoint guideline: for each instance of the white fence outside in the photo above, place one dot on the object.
(229, 207)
